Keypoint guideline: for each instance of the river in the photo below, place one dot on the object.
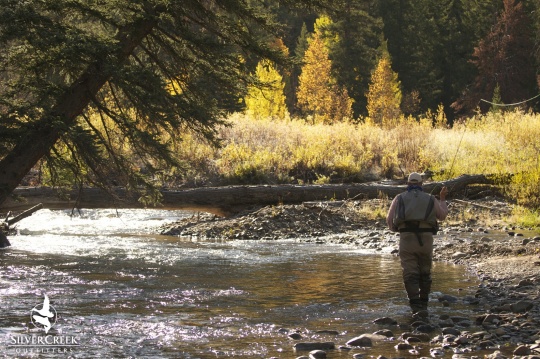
(121, 291)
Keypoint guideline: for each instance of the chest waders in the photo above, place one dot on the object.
(414, 218)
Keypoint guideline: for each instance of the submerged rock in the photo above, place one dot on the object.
(314, 346)
(385, 321)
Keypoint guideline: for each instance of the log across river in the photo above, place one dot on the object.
(223, 200)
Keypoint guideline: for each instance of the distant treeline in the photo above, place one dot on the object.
(445, 52)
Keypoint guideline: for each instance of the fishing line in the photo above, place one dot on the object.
(509, 104)
(493, 104)
(454, 159)
(457, 150)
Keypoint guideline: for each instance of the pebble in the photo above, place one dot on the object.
(295, 336)
(385, 332)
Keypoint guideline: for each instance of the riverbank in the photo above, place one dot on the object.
(504, 257)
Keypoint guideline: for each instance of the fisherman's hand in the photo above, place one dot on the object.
(443, 193)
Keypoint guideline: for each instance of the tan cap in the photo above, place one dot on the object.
(415, 178)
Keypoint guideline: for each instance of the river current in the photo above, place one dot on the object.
(122, 291)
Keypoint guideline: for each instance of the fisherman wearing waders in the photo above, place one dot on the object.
(414, 215)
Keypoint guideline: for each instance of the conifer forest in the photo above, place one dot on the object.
(151, 93)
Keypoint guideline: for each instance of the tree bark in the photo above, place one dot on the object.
(46, 131)
(227, 200)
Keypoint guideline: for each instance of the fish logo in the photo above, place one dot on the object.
(43, 315)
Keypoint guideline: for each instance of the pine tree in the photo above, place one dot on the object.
(504, 58)
(384, 94)
(266, 98)
(354, 52)
(302, 43)
(318, 94)
(431, 42)
(77, 75)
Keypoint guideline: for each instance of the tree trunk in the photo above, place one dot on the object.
(228, 200)
(44, 133)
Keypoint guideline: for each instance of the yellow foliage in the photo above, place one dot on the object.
(384, 94)
(318, 94)
(267, 99)
(292, 151)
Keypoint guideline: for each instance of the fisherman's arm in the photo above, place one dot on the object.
(390, 215)
(441, 208)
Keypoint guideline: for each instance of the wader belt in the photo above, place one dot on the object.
(417, 231)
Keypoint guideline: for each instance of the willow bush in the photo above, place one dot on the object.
(264, 151)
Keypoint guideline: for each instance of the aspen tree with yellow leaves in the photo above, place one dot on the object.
(319, 95)
(384, 94)
(267, 99)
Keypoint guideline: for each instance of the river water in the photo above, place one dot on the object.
(121, 291)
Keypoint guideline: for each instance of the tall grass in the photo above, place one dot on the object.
(292, 151)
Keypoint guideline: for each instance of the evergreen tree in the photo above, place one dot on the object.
(504, 58)
(430, 43)
(302, 43)
(384, 95)
(74, 72)
(318, 94)
(496, 100)
(266, 97)
(354, 51)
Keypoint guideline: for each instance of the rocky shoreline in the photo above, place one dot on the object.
(505, 259)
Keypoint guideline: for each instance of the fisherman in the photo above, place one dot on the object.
(414, 215)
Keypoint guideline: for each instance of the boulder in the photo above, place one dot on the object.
(363, 340)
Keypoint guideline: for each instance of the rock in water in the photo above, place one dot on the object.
(361, 341)
(317, 354)
(314, 346)
(4, 241)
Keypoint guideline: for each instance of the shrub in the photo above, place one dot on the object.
(503, 145)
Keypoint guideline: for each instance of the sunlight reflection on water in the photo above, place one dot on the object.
(127, 292)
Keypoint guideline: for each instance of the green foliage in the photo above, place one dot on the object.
(285, 151)
(525, 187)
(302, 43)
(496, 100)
(85, 74)
(500, 145)
(355, 49)
(526, 217)
(431, 43)
(161, 103)
(277, 151)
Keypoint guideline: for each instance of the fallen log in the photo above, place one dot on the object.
(226, 200)
(4, 226)
(24, 214)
